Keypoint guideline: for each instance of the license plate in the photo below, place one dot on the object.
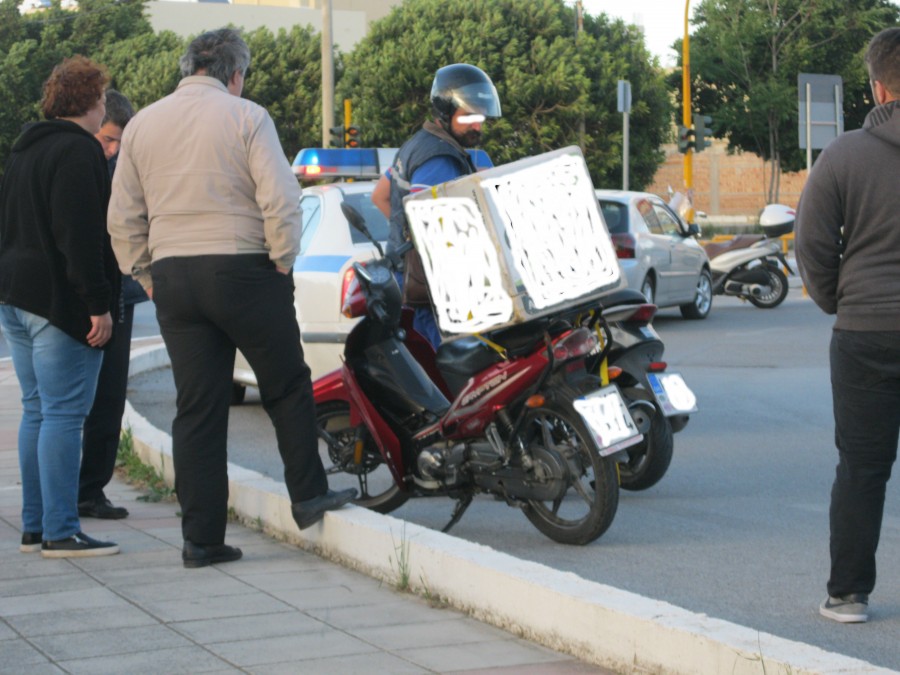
(608, 418)
(672, 393)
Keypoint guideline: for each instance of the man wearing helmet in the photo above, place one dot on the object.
(462, 97)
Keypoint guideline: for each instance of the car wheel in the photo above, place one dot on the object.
(699, 308)
(648, 288)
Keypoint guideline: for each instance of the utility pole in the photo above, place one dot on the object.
(579, 26)
(686, 108)
(327, 74)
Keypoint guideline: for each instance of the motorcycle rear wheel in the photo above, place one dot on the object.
(589, 504)
(649, 460)
(371, 476)
(779, 283)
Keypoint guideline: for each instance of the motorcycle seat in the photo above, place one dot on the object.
(715, 248)
(460, 359)
(624, 296)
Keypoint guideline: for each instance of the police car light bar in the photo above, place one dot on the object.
(360, 163)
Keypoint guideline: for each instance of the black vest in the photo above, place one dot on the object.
(424, 145)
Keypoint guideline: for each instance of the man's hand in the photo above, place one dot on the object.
(282, 270)
(101, 330)
(149, 292)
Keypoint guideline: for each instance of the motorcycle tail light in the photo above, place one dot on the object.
(580, 342)
(644, 314)
(613, 372)
(353, 302)
(625, 245)
(657, 366)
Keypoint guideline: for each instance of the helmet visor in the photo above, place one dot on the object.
(479, 98)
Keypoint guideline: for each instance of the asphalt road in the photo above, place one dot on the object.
(738, 528)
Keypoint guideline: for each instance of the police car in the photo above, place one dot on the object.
(329, 247)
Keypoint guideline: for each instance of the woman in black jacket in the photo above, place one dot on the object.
(58, 288)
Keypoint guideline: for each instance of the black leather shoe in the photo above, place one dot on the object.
(201, 556)
(310, 511)
(101, 508)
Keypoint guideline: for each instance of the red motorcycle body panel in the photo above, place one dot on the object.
(384, 437)
(341, 385)
(489, 391)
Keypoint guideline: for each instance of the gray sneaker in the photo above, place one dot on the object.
(853, 608)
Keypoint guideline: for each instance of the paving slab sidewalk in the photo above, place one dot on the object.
(278, 610)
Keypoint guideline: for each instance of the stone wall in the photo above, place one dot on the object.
(725, 185)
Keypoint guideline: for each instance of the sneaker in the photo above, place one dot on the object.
(853, 608)
(31, 542)
(79, 545)
(101, 508)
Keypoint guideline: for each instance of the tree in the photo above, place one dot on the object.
(745, 57)
(286, 78)
(31, 45)
(547, 81)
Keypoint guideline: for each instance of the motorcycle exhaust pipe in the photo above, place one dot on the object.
(737, 288)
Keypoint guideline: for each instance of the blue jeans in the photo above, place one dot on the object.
(58, 378)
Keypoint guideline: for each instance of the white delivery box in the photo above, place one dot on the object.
(513, 243)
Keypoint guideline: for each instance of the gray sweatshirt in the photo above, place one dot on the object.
(847, 232)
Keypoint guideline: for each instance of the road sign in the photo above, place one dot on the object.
(821, 111)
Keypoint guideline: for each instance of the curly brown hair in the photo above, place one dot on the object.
(73, 88)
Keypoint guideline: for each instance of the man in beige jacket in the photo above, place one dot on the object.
(204, 214)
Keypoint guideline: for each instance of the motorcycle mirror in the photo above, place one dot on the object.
(356, 221)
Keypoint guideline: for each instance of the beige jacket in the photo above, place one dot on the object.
(202, 172)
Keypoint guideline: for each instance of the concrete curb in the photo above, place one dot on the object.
(592, 622)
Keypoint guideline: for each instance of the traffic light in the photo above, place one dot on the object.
(701, 132)
(337, 136)
(685, 138)
(351, 137)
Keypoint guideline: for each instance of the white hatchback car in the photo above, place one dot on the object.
(328, 249)
(658, 252)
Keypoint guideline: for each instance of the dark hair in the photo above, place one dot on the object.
(220, 52)
(73, 88)
(883, 59)
(118, 109)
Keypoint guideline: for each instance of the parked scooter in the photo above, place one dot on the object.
(750, 266)
(659, 401)
(515, 415)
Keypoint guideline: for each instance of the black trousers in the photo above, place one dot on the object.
(206, 306)
(100, 440)
(865, 384)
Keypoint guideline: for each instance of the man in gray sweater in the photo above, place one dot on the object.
(848, 251)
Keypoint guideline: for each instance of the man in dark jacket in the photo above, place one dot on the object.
(462, 98)
(100, 440)
(848, 251)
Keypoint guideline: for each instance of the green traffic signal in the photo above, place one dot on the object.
(702, 132)
(337, 136)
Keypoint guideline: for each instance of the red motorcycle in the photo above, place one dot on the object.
(514, 414)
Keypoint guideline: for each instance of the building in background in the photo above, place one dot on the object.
(350, 18)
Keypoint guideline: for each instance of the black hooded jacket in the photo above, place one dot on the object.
(55, 257)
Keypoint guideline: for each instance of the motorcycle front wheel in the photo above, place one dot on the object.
(367, 472)
(778, 284)
(587, 507)
(649, 460)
